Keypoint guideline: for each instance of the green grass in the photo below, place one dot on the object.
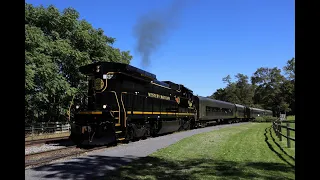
(291, 118)
(250, 151)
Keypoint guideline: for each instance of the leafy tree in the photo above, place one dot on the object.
(239, 92)
(288, 86)
(227, 79)
(290, 69)
(221, 94)
(244, 90)
(56, 45)
(268, 92)
(269, 89)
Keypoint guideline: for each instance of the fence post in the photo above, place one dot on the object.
(274, 127)
(280, 136)
(278, 129)
(288, 135)
(32, 129)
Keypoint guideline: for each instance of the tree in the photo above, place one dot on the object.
(268, 92)
(227, 79)
(290, 69)
(244, 90)
(269, 89)
(56, 45)
(239, 92)
(220, 94)
(288, 87)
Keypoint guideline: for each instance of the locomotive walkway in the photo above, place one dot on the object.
(96, 164)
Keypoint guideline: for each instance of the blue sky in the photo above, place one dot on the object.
(211, 39)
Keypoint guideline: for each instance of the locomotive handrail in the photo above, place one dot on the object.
(277, 129)
(69, 110)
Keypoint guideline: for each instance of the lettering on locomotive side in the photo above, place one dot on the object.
(159, 96)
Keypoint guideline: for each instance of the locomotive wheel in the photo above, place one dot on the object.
(187, 125)
(130, 134)
(154, 129)
(77, 139)
(147, 134)
(181, 128)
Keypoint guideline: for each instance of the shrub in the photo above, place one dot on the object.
(265, 119)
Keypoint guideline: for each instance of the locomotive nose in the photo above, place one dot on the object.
(91, 124)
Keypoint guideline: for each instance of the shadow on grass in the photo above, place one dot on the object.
(154, 168)
(88, 167)
(103, 167)
(280, 145)
(272, 149)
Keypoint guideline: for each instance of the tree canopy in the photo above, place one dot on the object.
(269, 89)
(56, 45)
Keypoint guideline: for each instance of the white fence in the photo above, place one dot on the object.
(44, 128)
(283, 117)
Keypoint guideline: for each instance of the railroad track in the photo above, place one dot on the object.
(42, 141)
(44, 157)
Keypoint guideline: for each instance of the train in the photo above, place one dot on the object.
(125, 103)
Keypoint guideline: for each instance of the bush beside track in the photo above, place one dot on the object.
(265, 119)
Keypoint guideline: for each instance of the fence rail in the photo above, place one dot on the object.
(277, 129)
(45, 128)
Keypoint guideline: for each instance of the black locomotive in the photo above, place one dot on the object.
(127, 103)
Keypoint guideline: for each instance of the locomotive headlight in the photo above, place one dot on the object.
(97, 68)
(104, 106)
(77, 106)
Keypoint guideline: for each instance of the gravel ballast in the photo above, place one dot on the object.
(98, 163)
(46, 147)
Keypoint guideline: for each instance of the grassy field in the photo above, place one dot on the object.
(291, 118)
(250, 151)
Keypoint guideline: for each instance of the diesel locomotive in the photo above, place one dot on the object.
(127, 103)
